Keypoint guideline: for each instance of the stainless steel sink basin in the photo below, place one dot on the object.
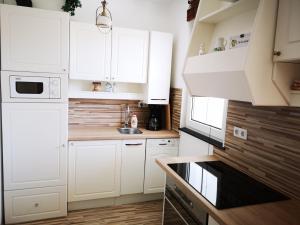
(129, 131)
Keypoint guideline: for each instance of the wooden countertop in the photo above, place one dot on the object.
(275, 213)
(77, 133)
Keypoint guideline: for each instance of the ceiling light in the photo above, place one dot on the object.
(103, 18)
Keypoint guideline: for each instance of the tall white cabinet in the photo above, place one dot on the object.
(34, 40)
(287, 42)
(159, 72)
(90, 52)
(34, 168)
(129, 55)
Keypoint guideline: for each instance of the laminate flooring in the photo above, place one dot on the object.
(146, 213)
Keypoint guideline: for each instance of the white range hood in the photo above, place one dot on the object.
(242, 74)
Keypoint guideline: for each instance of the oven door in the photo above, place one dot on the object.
(179, 210)
(29, 87)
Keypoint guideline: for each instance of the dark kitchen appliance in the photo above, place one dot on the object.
(156, 118)
(223, 186)
(179, 209)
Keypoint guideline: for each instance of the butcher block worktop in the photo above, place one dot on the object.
(77, 133)
(285, 212)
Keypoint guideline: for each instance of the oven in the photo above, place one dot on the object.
(179, 209)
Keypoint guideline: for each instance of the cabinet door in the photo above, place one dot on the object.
(160, 62)
(94, 170)
(288, 31)
(129, 55)
(155, 177)
(34, 40)
(133, 164)
(90, 52)
(34, 145)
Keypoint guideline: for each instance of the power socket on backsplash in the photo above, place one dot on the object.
(240, 133)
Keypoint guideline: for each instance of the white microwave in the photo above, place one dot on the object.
(32, 87)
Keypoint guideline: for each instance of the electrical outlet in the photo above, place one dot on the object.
(240, 133)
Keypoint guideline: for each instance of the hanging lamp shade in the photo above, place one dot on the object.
(103, 18)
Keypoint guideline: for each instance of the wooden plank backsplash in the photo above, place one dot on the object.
(272, 152)
(175, 104)
(104, 113)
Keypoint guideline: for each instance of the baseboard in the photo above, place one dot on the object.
(121, 200)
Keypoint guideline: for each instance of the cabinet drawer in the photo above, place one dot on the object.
(35, 204)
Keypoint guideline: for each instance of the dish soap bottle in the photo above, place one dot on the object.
(134, 121)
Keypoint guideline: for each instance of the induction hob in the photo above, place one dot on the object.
(223, 186)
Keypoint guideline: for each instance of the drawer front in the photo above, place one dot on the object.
(35, 204)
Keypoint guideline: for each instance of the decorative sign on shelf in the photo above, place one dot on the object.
(241, 40)
(192, 10)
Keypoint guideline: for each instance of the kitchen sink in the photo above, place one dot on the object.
(129, 131)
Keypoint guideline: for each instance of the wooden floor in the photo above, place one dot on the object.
(146, 213)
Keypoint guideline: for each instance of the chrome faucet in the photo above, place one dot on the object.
(126, 116)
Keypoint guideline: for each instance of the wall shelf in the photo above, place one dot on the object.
(229, 11)
(106, 95)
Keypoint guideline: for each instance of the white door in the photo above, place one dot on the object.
(133, 167)
(288, 31)
(34, 40)
(129, 55)
(34, 145)
(90, 52)
(94, 170)
(159, 72)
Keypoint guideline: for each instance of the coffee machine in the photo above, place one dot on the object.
(155, 120)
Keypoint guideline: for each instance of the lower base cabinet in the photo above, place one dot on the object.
(35, 204)
(94, 170)
(133, 167)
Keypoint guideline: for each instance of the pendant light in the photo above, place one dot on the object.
(103, 18)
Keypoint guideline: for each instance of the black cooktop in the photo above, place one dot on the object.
(223, 186)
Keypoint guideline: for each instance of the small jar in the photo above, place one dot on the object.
(134, 121)
(96, 86)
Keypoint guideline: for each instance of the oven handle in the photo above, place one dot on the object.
(174, 208)
(183, 197)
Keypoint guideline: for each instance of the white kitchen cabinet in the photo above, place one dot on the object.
(129, 55)
(94, 170)
(132, 169)
(155, 178)
(34, 40)
(90, 52)
(29, 162)
(159, 68)
(35, 204)
(287, 40)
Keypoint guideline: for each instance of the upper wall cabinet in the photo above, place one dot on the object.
(90, 52)
(240, 71)
(34, 40)
(287, 44)
(129, 55)
(159, 71)
(287, 50)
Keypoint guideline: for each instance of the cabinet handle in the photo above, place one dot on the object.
(36, 205)
(137, 144)
(158, 99)
(277, 53)
(162, 144)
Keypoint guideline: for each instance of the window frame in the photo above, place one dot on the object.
(207, 130)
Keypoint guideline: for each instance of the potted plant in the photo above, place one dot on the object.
(71, 5)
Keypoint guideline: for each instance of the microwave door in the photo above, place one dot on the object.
(29, 87)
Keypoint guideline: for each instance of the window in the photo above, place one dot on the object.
(207, 116)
